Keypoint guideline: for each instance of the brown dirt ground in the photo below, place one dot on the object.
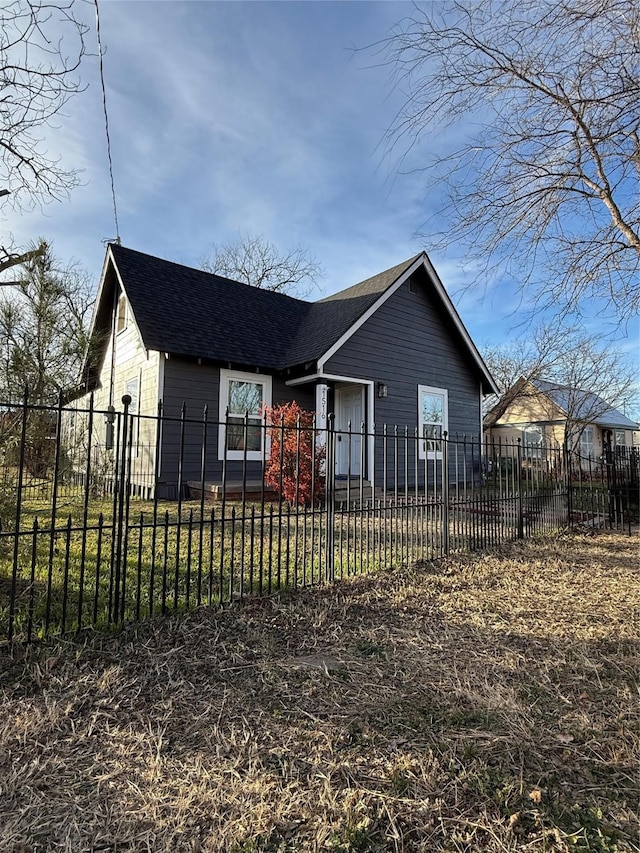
(482, 703)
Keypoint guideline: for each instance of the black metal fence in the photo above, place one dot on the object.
(604, 491)
(108, 516)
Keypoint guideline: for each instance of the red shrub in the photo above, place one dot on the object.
(296, 462)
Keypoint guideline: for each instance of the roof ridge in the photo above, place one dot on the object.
(340, 311)
(559, 384)
(401, 266)
(214, 275)
(562, 386)
(119, 247)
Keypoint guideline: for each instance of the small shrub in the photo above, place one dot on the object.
(296, 462)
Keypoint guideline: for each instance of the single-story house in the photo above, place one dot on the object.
(544, 413)
(389, 350)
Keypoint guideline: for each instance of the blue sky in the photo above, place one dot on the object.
(229, 117)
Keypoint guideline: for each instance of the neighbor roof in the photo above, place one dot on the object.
(584, 404)
(196, 314)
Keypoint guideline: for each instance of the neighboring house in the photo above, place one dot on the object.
(390, 350)
(542, 413)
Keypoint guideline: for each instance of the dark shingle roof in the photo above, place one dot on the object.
(331, 317)
(193, 313)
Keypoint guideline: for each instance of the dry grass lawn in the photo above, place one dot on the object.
(486, 703)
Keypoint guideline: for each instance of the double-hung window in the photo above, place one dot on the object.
(587, 443)
(242, 399)
(620, 441)
(433, 416)
(533, 442)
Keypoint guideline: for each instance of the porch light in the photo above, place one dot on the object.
(382, 390)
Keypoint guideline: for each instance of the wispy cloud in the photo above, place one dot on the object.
(252, 116)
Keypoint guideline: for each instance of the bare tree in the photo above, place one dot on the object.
(577, 368)
(44, 321)
(41, 47)
(254, 260)
(544, 94)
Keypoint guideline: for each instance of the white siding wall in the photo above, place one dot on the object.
(131, 362)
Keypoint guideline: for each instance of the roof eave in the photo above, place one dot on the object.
(421, 260)
(96, 308)
(457, 321)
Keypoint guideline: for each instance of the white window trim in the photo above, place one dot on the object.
(225, 377)
(442, 392)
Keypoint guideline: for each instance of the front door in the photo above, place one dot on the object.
(349, 410)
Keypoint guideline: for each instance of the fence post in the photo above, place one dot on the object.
(567, 469)
(445, 494)
(85, 512)
(16, 531)
(519, 479)
(330, 476)
(119, 516)
(54, 515)
(612, 485)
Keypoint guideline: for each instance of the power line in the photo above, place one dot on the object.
(106, 123)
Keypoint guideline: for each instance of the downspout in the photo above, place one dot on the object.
(481, 436)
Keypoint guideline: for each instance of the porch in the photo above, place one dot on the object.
(345, 490)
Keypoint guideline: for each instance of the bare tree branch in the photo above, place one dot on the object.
(254, 260)
(41, 48)
(10, 258)
(44, 321)
(548, 180)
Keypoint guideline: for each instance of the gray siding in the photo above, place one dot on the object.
(408, 342)
(194, 385)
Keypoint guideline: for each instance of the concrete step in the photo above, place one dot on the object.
(253, 490)
(351, 492)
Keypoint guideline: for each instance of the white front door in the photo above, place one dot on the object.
(349, 410)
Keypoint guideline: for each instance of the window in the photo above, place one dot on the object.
(587, 448)
(620, 442)
(121, 319)
(242, 395)
(132, 388)
(432, 420)
(532, 442)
